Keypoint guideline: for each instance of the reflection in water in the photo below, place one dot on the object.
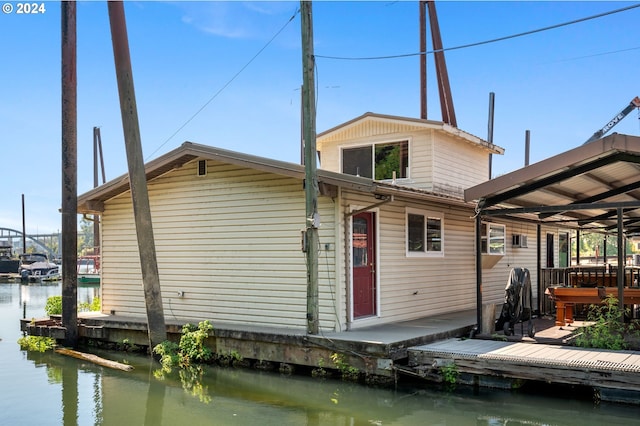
(70, 396)
(69, 391)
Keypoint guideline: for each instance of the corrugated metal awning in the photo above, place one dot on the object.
(582, 187)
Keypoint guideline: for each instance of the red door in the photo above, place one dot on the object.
(364, 266)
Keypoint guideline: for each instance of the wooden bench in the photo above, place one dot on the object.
(566, 297)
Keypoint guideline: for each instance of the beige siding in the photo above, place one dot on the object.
(494, 278)
(458, 165)
(438, 161)
(230, 241)
(413, 287)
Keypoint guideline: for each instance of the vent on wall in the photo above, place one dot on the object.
(519, 240)
(202, 167)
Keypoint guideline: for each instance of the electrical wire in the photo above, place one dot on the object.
(215, 95)
(464, 46)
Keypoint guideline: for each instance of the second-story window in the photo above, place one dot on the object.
(377, 161)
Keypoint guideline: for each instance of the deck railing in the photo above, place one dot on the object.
(583, 276)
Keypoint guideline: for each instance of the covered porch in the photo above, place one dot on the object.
(592, 188)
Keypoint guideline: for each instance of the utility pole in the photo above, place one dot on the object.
(446, 98)
(423, 59)
(69, 175)
(97, 153)
(311, 176)
(137, 176)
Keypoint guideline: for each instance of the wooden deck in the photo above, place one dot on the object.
(614, 375)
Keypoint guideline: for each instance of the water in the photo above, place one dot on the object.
(51, 389)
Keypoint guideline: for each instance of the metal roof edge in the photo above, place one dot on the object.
(607, 146)
(188, 151)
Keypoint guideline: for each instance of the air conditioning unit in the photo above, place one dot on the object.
(519, 240)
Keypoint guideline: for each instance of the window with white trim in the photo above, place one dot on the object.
(493, 238)
(378, 161)
(425, 233)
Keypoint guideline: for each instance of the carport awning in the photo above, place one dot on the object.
(583, 187)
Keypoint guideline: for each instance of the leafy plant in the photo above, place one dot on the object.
(90, 307)
(53, 306)
(450, 373)
(190, 349)
(192, 345)
(126, 346)
(37, 343)
(347, 371)
(607, 331)
(319, 371)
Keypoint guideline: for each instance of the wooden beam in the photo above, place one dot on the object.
(137, 176)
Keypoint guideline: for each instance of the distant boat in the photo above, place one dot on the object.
(89, 269)
(36, 266)
(9, 264)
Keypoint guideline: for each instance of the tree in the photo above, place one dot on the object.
(85, 236)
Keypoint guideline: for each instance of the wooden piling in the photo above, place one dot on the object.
(137, 175)
(69, 175)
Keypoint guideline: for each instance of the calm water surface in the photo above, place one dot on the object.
(51, 389)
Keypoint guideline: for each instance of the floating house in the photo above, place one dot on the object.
(397, 237)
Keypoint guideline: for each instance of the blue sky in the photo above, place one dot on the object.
(562, 84)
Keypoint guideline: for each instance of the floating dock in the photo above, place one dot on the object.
(420, 348)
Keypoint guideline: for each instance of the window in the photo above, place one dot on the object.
(563, 249)
(424, 233)
(379, 160)
(493, 238)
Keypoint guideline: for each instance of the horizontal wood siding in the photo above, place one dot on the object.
(421, 160)
(494, 279)
(458, 165)
(230, 241)
(413, 287)
(366, 129)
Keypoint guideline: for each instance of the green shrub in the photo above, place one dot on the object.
(90, 307)
(450, 373)
(347, 371)
(192, 345)
(190, 349)
(53, 305)
(37, 343)
(607, 330)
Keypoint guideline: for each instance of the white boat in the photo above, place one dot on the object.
(36, 267)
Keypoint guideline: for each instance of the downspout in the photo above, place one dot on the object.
(539, 265)
(347, 271)
(347, 251)
(478, 272)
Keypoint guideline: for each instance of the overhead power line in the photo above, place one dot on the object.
(464, 46)
(215, 95)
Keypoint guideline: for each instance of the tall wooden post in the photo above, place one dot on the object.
(446, 98)
(311, 177)
(69, 175)
(96, 218)
(24, 229)
(137, 176)
(479, 272)
(621, 263)
(422, 5)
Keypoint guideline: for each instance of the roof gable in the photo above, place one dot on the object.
(372, 124)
